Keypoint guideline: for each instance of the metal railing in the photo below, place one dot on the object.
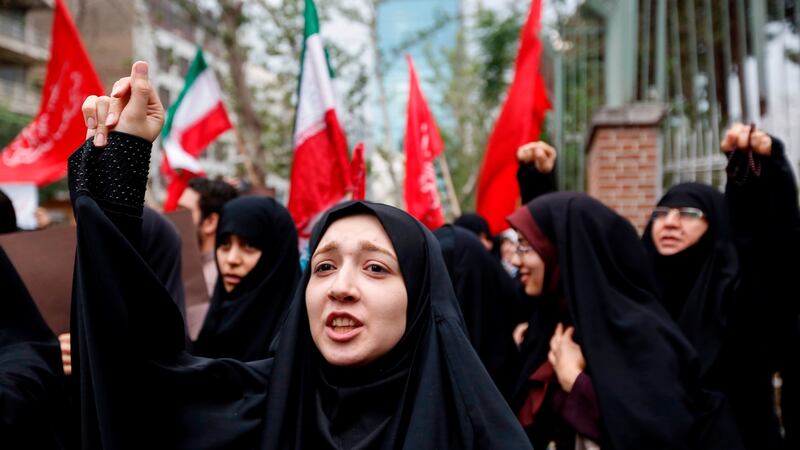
(713, 62)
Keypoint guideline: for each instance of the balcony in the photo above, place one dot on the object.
(19, 98)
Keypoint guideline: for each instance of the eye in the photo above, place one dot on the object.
(376, 268)
(323, 267)
(225, 246)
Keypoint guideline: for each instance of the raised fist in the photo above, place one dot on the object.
(739, 137)
(540, 154)
(132, 108)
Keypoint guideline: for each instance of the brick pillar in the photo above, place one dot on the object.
(623, 164)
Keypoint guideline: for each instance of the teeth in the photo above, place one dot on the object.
(343, 322)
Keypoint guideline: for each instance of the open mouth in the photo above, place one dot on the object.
(342, 326)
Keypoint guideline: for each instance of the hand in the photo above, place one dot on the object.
(736, 138)
(66, 353)
(566, 357)
(132, 108)
(540, 153)
(519, 333)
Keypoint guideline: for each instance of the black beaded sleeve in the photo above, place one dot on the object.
(114, 176)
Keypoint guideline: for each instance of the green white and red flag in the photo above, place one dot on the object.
(320, 169)
(193, 122)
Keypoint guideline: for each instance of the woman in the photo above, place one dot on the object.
(601, 359)
(372, 353)
(726, 278)
(486, 295)
(32, 385)
(258, 265)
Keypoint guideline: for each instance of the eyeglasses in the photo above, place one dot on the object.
(523, 249)
(685, 213)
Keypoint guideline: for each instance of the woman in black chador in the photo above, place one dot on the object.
(725, 277)
(33, 402)
(372, 354)
(487, 296)
(259, 267)
(602, 361)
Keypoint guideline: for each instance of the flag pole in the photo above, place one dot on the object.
(451, 191)
(249, 167)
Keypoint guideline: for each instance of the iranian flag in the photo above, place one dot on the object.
(320, 169)
(193, 122)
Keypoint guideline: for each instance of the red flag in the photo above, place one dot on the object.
(423, 144)
(519, 123)
(358, 173)
(39, 153)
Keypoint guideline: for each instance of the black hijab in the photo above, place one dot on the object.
(32, 384)
(8, 217)
(429, 391)
(697, 285)
(642, 368)
(486, 295)
(242, 323)
(161, 248)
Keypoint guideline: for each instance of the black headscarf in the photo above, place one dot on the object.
(642, 368)
(697, 285)
(430, 391)
(161, 248)
(486, 295)
(242, 323)
(32, 384)
(8, 217)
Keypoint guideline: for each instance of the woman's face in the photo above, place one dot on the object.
(675, 231)
(356, 297)
(236, 258)
(531, 267)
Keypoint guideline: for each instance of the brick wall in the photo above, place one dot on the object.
(623, 166)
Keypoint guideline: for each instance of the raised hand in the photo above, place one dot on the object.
(566, 357)
(133, 108)
(540, 153)
(740, 137)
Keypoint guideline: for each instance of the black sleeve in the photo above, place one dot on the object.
(136, 384)
(762, 198)
(533, 183)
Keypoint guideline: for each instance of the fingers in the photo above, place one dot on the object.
(569, 333)
(120, 94)
(90, 115)
(761, 143)
(101, 132)
(140, 89)
(743, 137)
(551, 356)
(66, 353)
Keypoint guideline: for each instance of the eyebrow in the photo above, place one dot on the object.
(363, 245)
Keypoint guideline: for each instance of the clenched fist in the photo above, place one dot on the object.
(740, 137)
(133, 107)
(540, 154)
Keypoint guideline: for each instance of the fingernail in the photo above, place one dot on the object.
(141, 69)
(115, 90)
(99, 140)
(110, 119)
(91, 123)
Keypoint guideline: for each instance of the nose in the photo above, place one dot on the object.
(516, 260)
(343, 287)
(234, 256)
(673, 219)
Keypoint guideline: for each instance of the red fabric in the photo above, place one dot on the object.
(195, 139)
(540, 379)
(358, 173)
(423, 144)
(39, 153)
(177, 185)
(320, 174)
(519, 123)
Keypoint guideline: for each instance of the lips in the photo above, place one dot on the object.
(670, 240)
(232, 279)
(342, 327)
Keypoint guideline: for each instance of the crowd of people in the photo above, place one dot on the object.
(569, 331)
